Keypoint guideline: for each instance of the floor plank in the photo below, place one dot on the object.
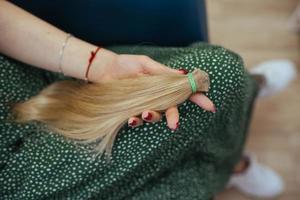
(258, 30)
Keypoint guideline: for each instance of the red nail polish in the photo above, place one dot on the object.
(133, 123)
(184, 71)
(148, 117)
(214, 110)
(177, 125)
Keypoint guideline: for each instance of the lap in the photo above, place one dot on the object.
(53, 165)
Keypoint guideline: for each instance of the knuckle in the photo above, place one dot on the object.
(144, 58)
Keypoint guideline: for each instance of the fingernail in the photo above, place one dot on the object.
(184, 71)
(133, 123)
(176, 127)
(148, 116)
(214, 110)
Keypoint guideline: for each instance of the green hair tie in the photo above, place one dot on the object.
(192, 82)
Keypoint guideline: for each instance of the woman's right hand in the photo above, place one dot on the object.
(109, 65)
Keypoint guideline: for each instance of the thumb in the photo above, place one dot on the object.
(155, 68)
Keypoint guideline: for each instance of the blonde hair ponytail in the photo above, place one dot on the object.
(94, 113)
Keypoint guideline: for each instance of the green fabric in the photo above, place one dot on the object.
(150, 161)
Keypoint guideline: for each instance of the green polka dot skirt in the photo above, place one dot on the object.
(148, 162)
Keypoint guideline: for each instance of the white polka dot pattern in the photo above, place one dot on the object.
(150, 161)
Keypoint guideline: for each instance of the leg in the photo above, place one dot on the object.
(242, 165)
(206, 145)
(249, 176)
(260, 79)
(255, 179)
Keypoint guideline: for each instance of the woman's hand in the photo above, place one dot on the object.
(116, 66)
(113, 66)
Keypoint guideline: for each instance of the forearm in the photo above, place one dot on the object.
(35, 42)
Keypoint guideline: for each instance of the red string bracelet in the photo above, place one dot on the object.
(93, 55)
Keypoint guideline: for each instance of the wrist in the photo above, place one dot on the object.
(76, 60)
(99, 69)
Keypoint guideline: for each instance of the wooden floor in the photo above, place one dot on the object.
(258, 30)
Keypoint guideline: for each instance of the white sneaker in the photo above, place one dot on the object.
(257, 181)
(278, 75)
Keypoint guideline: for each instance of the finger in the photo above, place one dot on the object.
(203, 101)
(151, 116)
(172, 116)
(134, 122)
(153, 67)
(183, 71)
